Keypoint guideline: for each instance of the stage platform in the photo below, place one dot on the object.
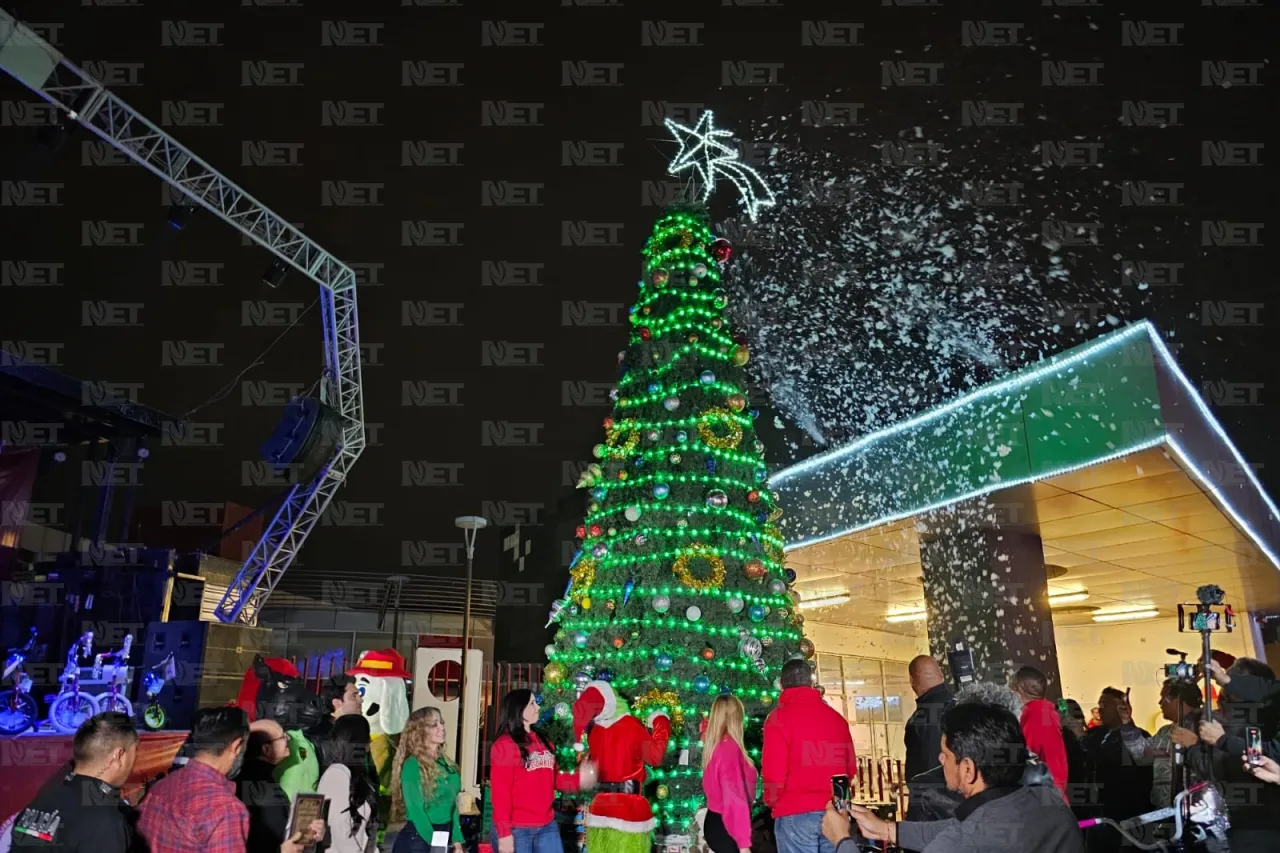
(30, 760)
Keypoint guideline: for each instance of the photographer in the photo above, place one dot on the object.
(1251, 804)
(983, 759)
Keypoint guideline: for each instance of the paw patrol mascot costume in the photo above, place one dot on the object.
(620, 819)
(380, 678)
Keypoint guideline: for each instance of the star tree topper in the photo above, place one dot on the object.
(702, 150)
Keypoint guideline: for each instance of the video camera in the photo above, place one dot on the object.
(1181, 669)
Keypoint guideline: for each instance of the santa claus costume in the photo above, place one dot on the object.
(619, 819)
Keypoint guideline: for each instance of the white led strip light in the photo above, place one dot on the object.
(981, 394)
(702, 151)
(1165, 439)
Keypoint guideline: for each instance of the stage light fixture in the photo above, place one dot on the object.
(275, 273)
(179, 214)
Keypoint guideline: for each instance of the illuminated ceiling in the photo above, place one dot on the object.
(1133, 532)
(1106, 451)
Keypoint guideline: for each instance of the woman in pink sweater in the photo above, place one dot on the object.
(728, 779)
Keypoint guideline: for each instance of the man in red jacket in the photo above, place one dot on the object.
(1041, 724)
(806, 742)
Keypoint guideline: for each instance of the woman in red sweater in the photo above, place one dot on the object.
(523, 780)
(728, 779)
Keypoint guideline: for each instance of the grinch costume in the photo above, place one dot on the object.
(619, 819)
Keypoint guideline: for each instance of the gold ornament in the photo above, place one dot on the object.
(662, 791)
(623, 439)
(585, 602)
(725, 418)
(686, 239)
(655, 700)
(554, 672)
(584, 575)
(698, 551)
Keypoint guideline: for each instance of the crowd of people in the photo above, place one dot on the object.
(991, 768)
(227, 794)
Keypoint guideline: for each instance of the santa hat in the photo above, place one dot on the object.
(598, 702)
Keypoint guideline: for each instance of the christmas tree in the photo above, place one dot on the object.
(678, 592)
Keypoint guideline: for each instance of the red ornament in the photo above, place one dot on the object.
(617, 642)
(608, 423)
(740, 339)
(721, 250)
(708, 653)
(645, 333)
(753, 496)
(581, 532)
(596, 530)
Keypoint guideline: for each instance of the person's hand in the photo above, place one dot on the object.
(872, 827)
(1184, 738)
(1267, 771)
(1211, 732)
(315, 830)
(296, 844)
(458, 848)
(588, 773)
(507, 844)
(1218, 673)
(835, 824)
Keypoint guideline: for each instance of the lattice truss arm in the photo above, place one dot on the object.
(47, 73)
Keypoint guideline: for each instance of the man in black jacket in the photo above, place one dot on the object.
(1122, 784)
(257, 788)
(83, 813)
(929, 798)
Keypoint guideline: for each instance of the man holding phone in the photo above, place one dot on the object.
(983, 758)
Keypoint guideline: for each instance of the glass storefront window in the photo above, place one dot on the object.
(875, 697)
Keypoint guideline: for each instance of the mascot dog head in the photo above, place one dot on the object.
(272, 690)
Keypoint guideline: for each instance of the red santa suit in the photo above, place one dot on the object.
(621, 746)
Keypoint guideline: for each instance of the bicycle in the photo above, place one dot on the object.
(70, 708)
(114, 699)
(18, 710)
(154, 715)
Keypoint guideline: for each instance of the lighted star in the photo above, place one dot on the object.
(702, 151)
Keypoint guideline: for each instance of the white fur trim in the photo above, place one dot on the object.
(653, 716)
(637, 826)
(610, 709)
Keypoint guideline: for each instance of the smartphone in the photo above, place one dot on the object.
(1253, 746)
(840, 791)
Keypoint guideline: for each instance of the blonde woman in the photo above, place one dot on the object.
(424, 787)
(728, 779)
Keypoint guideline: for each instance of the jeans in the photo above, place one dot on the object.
(535, 839)
(801, 833)
(409, 840)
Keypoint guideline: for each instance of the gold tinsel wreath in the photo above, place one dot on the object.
(706, 429)
(656, 699)
(698, 551)
(615, 438)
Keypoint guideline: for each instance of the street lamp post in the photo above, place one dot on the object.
(470, 525)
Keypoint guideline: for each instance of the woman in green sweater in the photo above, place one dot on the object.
(424, 787)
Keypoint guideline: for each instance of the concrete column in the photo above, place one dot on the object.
(985, 584)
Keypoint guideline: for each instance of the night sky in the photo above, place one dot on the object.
(412, 113)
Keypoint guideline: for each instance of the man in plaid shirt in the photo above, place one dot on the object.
(195, 809)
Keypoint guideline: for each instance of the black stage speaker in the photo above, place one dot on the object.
(211, 659)
(306, 438)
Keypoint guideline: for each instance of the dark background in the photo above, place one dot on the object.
(576, 285)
